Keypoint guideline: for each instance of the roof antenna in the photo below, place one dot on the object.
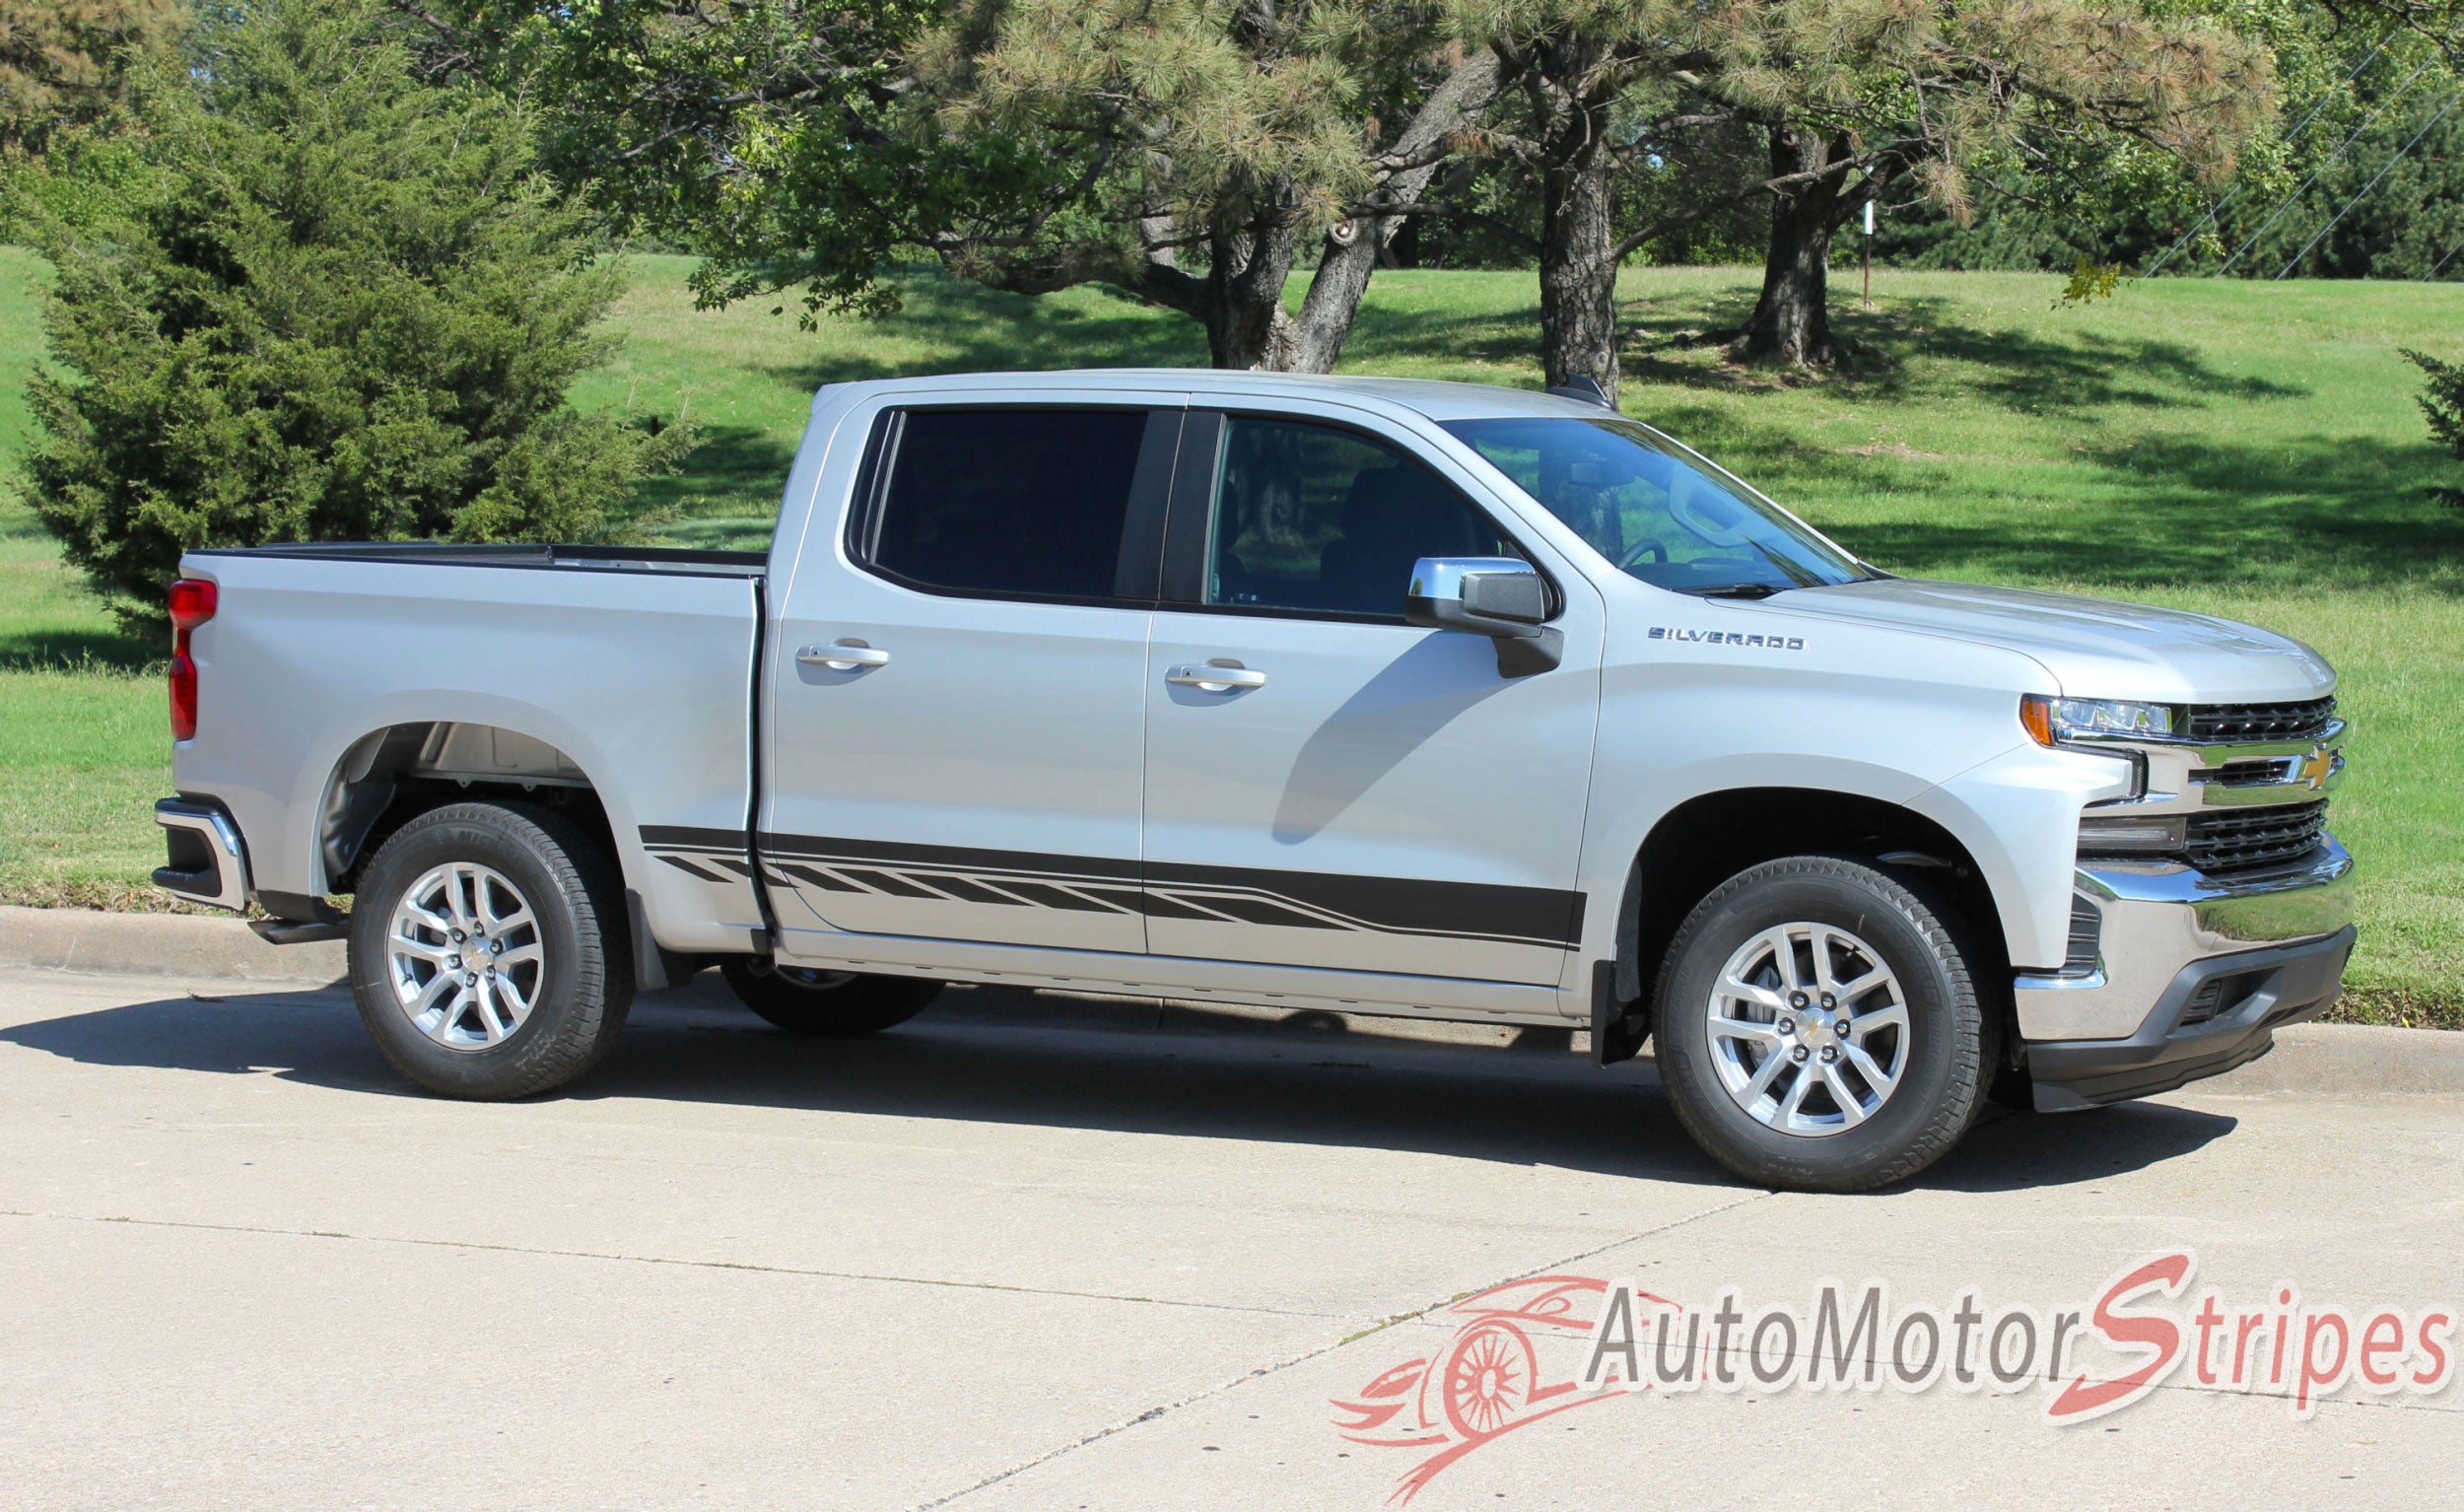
(1583, 389)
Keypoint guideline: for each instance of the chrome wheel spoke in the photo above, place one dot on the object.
(475, 1003)
(1760, 996)
(1768, 1072)
(1850, 992)
(1792, 1105)
(429, 993)
(1782, 945)
(1774, 1066)
(1880, 1080)
(1744, 1029)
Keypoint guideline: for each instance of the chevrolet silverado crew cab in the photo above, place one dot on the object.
(1357, 694)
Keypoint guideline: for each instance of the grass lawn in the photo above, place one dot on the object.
(2247, 449)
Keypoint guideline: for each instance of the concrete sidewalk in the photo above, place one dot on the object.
(1053, 1253)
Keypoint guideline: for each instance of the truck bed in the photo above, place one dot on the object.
(521, 670)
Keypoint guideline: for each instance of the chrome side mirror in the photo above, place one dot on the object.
(1502, 598)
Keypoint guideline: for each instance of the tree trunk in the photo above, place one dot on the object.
(1792, 321)
(1352, 249)
(1578, 252)
(1247, 325)
(1578, 275)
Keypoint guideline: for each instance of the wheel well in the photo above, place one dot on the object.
(1705, 841)
(392, 776)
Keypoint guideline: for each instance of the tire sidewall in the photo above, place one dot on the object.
(1944, 1052)
(530, 1059)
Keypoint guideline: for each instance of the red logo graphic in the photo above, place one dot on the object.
(1515, 1359)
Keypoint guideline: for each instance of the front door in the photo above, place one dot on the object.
(1326, 785)
(957, 687)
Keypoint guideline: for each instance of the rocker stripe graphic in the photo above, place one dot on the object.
(1300, 900)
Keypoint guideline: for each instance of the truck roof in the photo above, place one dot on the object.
(1424, 396)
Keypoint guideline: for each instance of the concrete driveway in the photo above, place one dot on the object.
(1037, 1252)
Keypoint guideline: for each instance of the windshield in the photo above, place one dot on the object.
(1654, 511)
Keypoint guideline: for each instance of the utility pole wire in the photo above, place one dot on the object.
(2442, 262)
(2289, 199)
(2401, 152)
(2291, 137)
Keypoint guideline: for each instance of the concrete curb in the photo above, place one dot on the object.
(159, 945)
(2308, 1058)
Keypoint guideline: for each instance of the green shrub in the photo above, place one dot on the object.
(339, 304)
(2443, 402)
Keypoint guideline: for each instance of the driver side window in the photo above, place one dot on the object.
(1316, 518)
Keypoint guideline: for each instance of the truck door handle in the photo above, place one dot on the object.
(844, 655)
(1221, 675)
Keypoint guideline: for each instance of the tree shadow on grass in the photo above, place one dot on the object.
(79, 651)
(1901, 344)
(2299, 512)
(734, 471)
(964, 327)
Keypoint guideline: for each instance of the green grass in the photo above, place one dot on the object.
(2249, 449)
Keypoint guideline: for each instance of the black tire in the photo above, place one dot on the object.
(579, 990)
(832, 1004)
(1948, 1053)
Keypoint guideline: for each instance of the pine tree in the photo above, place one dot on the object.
(63, 62)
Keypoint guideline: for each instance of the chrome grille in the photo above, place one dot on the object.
(2250, 724)
(2240, 839)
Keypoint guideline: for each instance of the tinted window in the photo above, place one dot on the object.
(1024, 502)
(1663, 517)
(1312, 517)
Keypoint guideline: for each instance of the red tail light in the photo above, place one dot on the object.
(183, 692)
(192, 603)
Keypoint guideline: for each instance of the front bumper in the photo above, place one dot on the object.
(2254, 992)
(2190, 978)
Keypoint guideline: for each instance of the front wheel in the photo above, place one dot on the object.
(1817, 1027)
(833, 1003)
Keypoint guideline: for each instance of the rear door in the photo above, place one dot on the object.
(956, 721)
(1377, 797)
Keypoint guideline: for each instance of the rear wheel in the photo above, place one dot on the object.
(837, 1004)
(489, 952)
(1817, 1027)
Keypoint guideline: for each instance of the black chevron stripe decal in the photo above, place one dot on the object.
(1300, 900)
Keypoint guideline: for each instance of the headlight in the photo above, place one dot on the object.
(2055, 721)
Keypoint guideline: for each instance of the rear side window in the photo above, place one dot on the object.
(1014, 503)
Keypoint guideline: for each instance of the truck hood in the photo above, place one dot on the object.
(2095, 648)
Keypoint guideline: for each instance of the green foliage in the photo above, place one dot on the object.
(786, 140)
(2090, 281)
(63, 62)
(341, 304)
(2443, 402)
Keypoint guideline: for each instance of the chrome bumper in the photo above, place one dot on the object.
(208, 863)
(2193, 976)
(2161, 918)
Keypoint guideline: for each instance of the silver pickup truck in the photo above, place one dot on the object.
(1369, 695)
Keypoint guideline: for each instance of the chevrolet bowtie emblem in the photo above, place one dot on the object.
(2317, 767)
